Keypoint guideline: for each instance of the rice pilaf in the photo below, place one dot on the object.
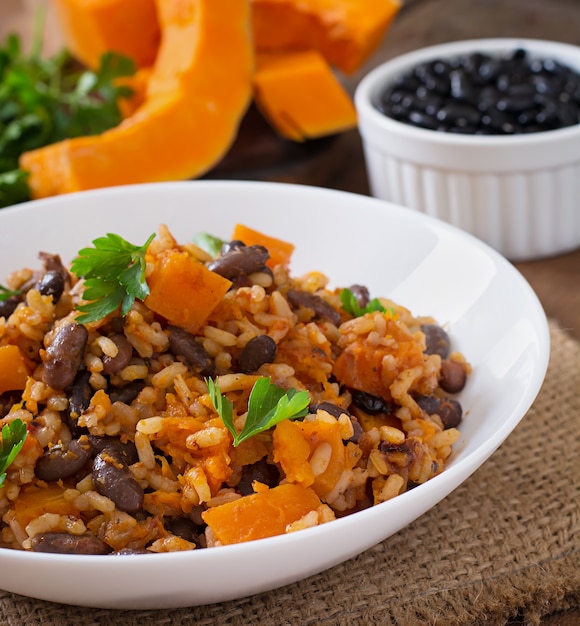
(125, 450)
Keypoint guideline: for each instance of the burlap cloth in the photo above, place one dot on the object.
(504, 545)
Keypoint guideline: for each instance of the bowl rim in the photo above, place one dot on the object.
(371, 120)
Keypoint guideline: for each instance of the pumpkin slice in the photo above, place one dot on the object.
(13, 370)
(92, 27)
(196, 97)
(346, 32)
(300, 95)
(280, 251)
(184, 291)
(259, 515)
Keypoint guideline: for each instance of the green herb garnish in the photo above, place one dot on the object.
(114, 275)
(45, 100)
(268, 404)
(350, 304)
(6, 294)
(211, 244)
(13, 436)
(14, 187)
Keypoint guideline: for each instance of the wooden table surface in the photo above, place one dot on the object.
(338, 162)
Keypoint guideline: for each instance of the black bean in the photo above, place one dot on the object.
(515, 103)
(453, 376)
(436, 340)
(459, 115)
(183, 527)
(262, 471)
(320, 307)
(80, 393)
(51, 284)
(331, 408)
(64, 355)
(65, 543)
(259, 350)
(504, 87)
(184, 344)
(64, 460)
(361, 294)
(113, 479)
(418, 118)
(53, 263)
(462, 86)
(8, 306)
(127, 449)
(448, 409)
(7, 400)
(240, 261)
(112, 365)
(373, 405)
(126, 393)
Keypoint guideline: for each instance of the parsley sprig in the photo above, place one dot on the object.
(210, 243)
(268, 404)
(114, 275)
(13, 436)
(6, 294)
(45, 100)
(351, 305)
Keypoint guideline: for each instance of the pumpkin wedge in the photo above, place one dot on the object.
(198, 92)
(92, 27)
(300, 96)
(346, 32)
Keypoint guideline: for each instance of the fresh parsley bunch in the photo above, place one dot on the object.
(45, 100)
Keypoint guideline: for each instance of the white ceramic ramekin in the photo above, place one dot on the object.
(518, 193)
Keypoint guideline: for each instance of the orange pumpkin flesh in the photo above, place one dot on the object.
(13, 370)
(184, 291)
(346, 32)
(263, 514)
(280, 251)
(92, 27)
(300, 95)
(197, 95)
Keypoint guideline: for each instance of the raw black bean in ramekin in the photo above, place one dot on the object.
(485, 94)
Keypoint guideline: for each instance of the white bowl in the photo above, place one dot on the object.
(518, 193)
(491, 313)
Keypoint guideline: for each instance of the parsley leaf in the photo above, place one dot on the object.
(6, 294)
(45, 100)
(350, 304)
(114, 275)
(13, 436)
(268, 404)
(209, 243)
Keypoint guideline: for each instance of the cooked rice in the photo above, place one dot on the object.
(185, 462)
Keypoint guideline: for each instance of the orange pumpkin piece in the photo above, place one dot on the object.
(300, 96)
(36, 500)
(197, 94)
(313, 454)
(259, 515)
(92, 27)
(363, 366)
(183, 290)
(280, 251)
(13, 370)
(346, 32)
